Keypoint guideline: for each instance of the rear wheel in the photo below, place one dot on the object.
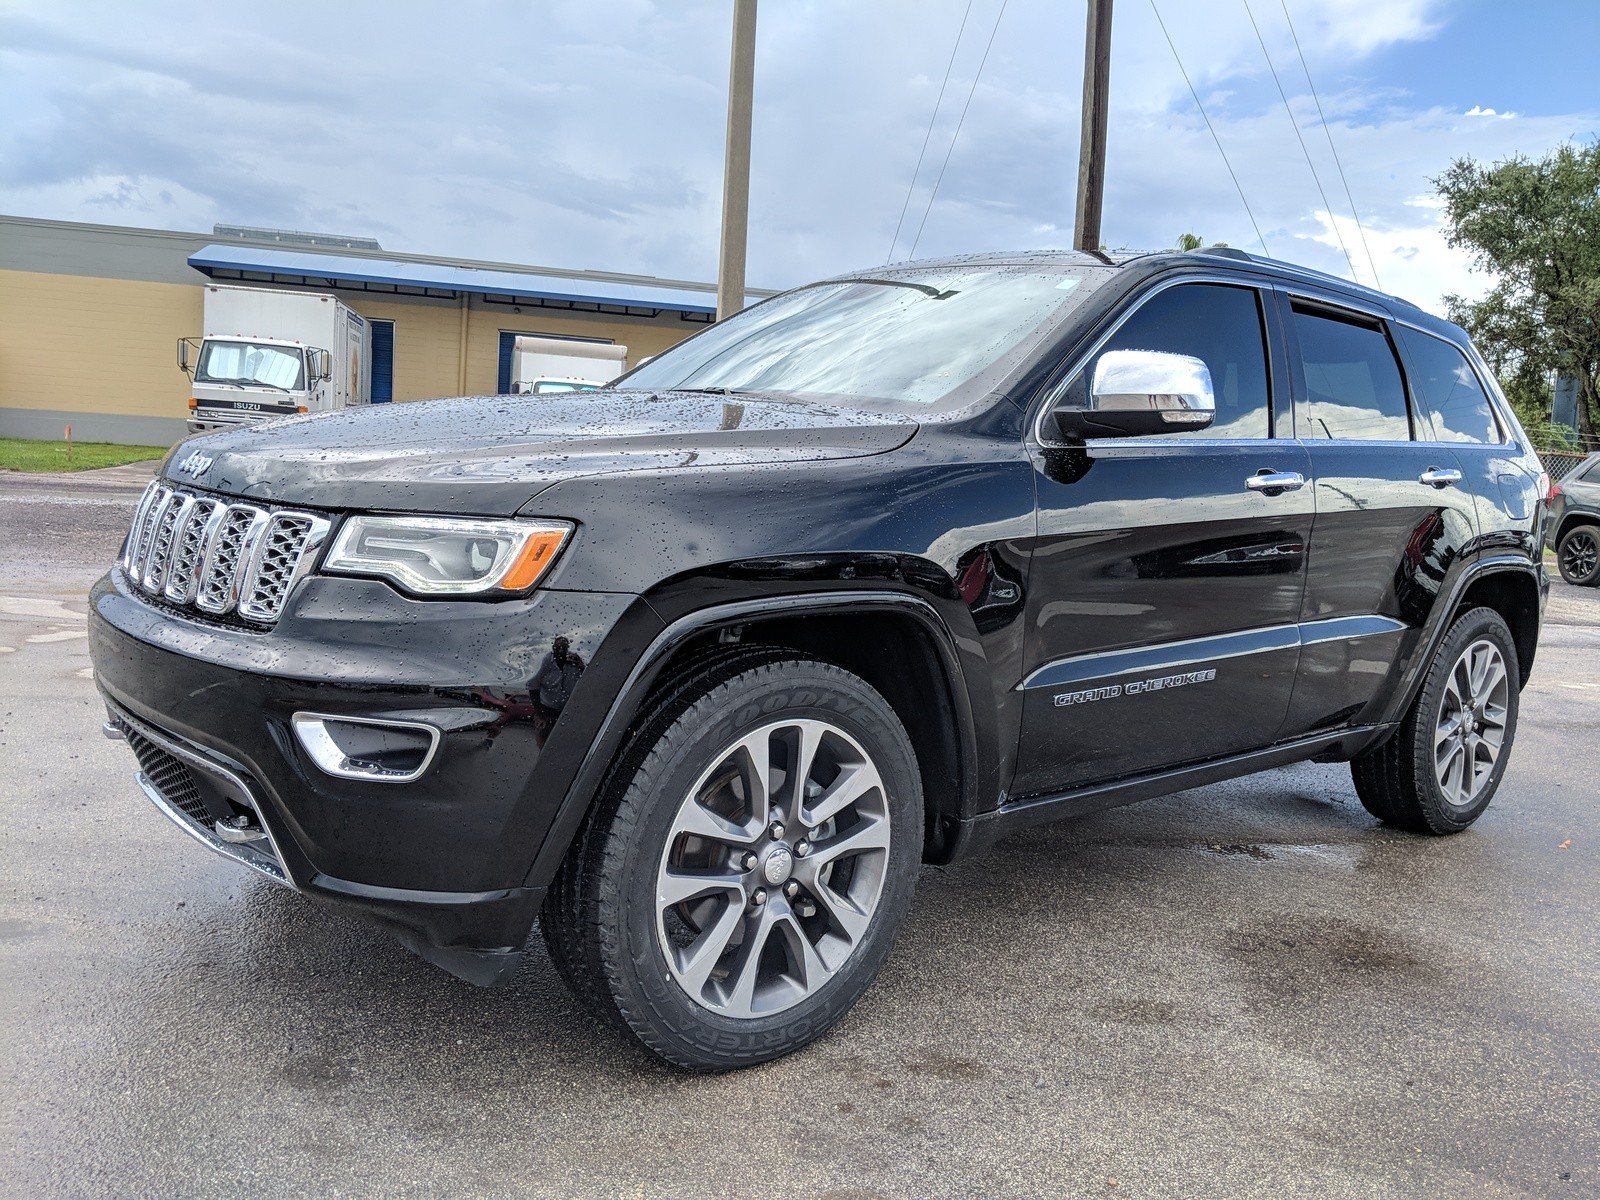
(1439, 771)
(744, 877)
(1578, 555)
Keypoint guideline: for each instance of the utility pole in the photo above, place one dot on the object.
(736, 162)
(1092, 149)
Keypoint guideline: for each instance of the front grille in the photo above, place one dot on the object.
(221, 557)
(170, 776)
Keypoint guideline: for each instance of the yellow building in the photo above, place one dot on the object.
(90, 317)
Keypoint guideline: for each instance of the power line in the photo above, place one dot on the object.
(932, 117)
(1315, 178)
(1209, 126)
(1328, 133)
(951, 150)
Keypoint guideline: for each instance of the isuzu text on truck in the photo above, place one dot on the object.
(269, 353)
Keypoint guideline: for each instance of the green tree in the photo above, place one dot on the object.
(1188, 241)
(1534, 225)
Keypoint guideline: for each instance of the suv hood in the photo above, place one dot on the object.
(490, 455)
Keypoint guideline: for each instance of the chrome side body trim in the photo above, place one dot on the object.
(1197, 651)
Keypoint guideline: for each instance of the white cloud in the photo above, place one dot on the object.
(568, 135)
(1477, 110)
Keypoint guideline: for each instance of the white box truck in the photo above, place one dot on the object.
(270, 353)
(540, 365)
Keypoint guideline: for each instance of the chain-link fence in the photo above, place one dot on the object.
(1560, 463)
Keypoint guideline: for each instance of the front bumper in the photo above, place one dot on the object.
(443, 860)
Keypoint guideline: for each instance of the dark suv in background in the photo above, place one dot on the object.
(700, 668)
(1575, 523)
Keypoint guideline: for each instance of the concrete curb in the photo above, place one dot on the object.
(129, 479)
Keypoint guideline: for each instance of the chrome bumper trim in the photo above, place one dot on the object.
(247, 853)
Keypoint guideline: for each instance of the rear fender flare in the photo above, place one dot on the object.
(1482, 569)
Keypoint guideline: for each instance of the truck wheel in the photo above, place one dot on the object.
(1439, 771)
(745, 873)
(1578, 555)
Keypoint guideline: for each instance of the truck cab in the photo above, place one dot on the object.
(238, 380)
(272, 353)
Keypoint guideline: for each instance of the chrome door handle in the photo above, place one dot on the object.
(1276, 481)
(1440, 477)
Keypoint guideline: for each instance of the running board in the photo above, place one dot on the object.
(985, 829)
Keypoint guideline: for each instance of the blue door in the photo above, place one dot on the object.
(382, 361)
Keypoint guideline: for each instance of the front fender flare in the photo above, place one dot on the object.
(978, 766)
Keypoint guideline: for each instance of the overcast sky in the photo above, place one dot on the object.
(589, 133)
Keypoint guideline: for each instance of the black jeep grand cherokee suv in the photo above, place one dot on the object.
(698, 669)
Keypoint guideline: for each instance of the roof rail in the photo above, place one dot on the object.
(1227, 252)
(1307, 273)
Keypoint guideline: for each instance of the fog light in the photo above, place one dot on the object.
(366, 748)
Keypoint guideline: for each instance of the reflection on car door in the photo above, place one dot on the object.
(1164, 589)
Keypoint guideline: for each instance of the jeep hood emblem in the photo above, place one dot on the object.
(195, 464)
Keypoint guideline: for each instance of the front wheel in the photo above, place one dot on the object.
(1443, 765)
(744, 878)
(1578, 556)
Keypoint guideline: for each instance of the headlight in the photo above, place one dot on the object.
(448, 556)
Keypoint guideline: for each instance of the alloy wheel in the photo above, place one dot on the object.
(773, 868)
(1471, 727)
(1580, 555)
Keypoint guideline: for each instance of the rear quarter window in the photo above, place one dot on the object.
(1448, 391)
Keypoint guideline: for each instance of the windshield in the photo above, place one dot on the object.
(907, 340)
(250, 364)
(551, 385)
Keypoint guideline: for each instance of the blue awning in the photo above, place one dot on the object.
(423, 278)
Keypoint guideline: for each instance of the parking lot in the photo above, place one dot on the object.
(1247, 989)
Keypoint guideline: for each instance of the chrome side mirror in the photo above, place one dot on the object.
(1135, 393)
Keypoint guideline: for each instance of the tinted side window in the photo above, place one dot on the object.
(1222, 327)
(1353, 383)
(1448, 388)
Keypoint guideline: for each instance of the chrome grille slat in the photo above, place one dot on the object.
(163, 534)
(183, 575)
(273, 567)
(139, 545)
(190, 549)
(223, 559)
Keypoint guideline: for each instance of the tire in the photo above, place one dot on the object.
(1578, 555)
(717, 976)
(1409, 784)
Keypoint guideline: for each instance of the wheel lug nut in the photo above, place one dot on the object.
(791, 889)
(777, 830)
(749, 861)
(758, 897)
(802, 848)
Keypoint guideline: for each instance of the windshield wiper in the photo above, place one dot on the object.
(719, 391)
(242, 383)
(924, 288)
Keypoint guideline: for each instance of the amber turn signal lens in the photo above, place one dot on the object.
(193, 404)
(534, 559)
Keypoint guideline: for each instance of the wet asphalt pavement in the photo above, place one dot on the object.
(1247, 989)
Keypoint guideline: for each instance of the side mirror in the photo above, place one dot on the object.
(183, 355)
(1137, 393)
(319, 364)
